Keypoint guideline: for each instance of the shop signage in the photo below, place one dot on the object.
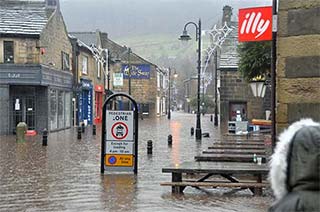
(141, 71)
(117, 79)
(255, 24)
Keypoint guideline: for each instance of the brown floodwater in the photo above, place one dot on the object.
(65, 175)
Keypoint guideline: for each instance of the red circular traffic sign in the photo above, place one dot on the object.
(119, 130)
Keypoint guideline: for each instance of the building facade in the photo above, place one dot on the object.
(89, 85)
(35, 73)
(147, 81)
(234, 92)
(298, 62)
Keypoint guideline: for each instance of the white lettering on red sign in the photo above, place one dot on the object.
(255, 24)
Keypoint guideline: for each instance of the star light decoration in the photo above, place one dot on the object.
(217, 38)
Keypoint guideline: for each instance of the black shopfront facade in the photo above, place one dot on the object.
(38, 95)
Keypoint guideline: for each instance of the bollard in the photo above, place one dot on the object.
(211, 118)
(45, 137)
(192, 131)
(82, 125)
(94, 131)
(79, 132)
(169, 139)
(149, 147)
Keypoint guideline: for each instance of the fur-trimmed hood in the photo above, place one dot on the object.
(281, 158)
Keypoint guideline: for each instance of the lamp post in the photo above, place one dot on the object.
(216, 89)
(169, 95)
(129, 71)
(186, 37)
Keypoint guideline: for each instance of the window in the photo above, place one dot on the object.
(65, 61)
(51, 2)
(99, 70)
(8, 52)
(84, 64)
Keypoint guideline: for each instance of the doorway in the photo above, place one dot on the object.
(23, 109)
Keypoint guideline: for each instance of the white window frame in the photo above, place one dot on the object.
(84, 65)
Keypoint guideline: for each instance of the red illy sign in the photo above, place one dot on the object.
(255, 24)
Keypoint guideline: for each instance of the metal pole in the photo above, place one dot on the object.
(216, 88)
(169, 103)
(273, 77)
(108, 74)
(198, 124)
(129, 68)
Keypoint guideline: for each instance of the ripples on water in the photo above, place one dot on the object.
(65, 175)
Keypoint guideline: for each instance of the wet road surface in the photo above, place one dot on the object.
(65, 175)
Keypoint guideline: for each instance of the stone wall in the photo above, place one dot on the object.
(298, 62)
(54, 39)
(234, 89)
(25, 50)
(142, 90)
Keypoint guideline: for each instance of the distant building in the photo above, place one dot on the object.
(35, 73)
(147, 79)
(88, 84)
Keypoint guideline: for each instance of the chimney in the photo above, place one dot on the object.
(227, 13)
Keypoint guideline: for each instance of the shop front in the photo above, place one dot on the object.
(34, 94)
(98, 99)
(85, 102)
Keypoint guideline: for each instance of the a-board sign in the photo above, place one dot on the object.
(119, 144)
(119, 137)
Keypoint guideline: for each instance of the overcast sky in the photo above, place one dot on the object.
(121, 18)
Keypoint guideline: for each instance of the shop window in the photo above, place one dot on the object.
(51, 3)
(8, 52)
(84, 65)
(145, 109)
(60, 109)
(67, 109)
(53, 110)
(65, 61)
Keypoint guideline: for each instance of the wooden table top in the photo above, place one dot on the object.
(217, 168)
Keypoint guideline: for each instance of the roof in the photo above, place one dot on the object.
(22, 17)
(229, 56)
(86, 37)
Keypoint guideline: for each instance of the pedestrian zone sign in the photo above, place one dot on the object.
(119, 146)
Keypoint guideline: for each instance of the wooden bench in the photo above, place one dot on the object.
(235, 146)
(234, 151)
(226, 170)
(239, 143)
(229, 157)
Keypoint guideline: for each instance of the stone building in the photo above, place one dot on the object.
(147, 80)
(88, 84)
(35, 72)
(298, 62)
(234, 92)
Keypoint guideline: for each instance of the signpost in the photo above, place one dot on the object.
(119, 144)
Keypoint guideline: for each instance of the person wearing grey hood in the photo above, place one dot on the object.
(294, 168)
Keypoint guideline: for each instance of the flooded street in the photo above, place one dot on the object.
(65, 175)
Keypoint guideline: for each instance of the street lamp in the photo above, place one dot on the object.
(175, 75)
(186, 37)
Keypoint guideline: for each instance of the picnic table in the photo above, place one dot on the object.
(227, 170)
(229, 157)
(234, 151)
